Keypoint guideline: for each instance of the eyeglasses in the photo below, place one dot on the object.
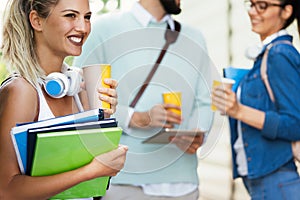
(260, 6)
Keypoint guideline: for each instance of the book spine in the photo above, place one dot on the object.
(17, 153)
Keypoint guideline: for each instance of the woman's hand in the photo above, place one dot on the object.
(108, 164)
(110, 96)
(296, 150)
(225, 101)
(157, 116)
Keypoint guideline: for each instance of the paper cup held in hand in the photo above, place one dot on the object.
(173, 98)
(226, 83)
(94, 76)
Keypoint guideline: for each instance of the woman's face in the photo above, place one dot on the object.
(66, 28)
(266, 20)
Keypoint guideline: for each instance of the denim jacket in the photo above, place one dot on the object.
(270, 148)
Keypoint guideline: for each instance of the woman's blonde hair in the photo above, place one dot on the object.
(19, 48)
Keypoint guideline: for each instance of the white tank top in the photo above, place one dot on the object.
(44, 109)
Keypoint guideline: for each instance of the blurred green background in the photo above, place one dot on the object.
(3, 72)
(97, 6)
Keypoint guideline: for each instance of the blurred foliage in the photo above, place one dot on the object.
(69, 60)
(3, 71)
(107, 4)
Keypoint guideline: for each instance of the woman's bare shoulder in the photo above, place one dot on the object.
(19, 95)
(17, 87)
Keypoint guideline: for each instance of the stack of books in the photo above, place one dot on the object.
(65, 143)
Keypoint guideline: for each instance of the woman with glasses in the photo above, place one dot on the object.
(261, 129)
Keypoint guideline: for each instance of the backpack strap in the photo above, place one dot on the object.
(263, 67)
(170, 37)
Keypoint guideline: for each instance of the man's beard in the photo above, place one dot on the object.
(170, 6)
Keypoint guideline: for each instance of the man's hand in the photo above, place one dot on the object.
(188, 144)
(157, 116)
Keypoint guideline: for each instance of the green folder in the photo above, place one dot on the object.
(57, 152)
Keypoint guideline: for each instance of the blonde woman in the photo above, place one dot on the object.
(37, 36)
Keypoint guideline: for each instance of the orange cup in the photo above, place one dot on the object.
(226, 83)
(173, 98)
(94, 76)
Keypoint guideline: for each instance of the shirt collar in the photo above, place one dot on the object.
(253, 51)
(274, 36)
(144, 17)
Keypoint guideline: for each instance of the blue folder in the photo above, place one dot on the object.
(236, 74)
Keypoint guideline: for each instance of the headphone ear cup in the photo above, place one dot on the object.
(75, 79)
(56, 85)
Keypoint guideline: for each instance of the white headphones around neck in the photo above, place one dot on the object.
(57, 84)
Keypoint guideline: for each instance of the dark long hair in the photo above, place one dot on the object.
(296, 12)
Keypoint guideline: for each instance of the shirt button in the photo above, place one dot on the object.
(249, 159)
(245, 144)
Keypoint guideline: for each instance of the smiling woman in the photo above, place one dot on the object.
(262, 126)
(37, 37)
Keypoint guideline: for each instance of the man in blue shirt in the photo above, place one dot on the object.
(131, 42)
